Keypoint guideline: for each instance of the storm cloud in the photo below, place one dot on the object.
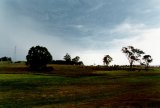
(88, 28)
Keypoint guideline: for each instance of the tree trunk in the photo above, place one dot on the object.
(147, 66)
(131, 65)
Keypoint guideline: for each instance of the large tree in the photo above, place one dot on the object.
(148, 59)
(107, 59)
(132, 54)
(38, 57)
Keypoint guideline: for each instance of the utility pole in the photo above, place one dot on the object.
(15, 53)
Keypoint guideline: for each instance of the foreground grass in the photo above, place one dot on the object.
(103, 89)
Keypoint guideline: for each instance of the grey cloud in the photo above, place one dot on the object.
(67, 25)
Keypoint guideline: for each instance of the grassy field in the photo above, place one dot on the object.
(80, 87)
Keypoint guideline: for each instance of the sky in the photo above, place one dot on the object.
(90, 29)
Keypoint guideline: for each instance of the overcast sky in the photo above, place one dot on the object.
(87, 28)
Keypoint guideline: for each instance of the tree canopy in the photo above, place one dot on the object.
(132, 54)
(107, 59)
(148, 59)
(67, 57)
(6, 59)
(76, 59)
(38, 57)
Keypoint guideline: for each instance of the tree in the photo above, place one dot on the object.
(38, 57)
(133, 54)
(6, 59)
(107, 59)
(67, 58)
(76, 59)
(148, 59)
(80, 63)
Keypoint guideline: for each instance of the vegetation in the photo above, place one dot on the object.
(107, 59)
(38, 57)
(76, 59)
(148, 59)
(67, 58)
(132, 54)
(78, 86)
(6, 59)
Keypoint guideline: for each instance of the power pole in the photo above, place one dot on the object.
(15, 53)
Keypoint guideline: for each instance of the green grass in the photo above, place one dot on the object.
(67, 87)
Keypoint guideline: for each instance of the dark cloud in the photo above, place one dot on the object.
(70, 25)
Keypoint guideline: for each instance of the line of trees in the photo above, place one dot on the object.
(68, 60)
(8, 59)
(136, 55)
(38, 57)
(133, 55)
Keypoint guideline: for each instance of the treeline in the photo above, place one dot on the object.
(118, 67)
(38, 57)
(133, 55)
(68, 60)
(63, 62)
(8, 59)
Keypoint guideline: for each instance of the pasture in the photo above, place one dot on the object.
(78, 87)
